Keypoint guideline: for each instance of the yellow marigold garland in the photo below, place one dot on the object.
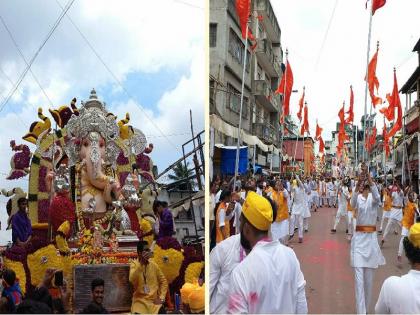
(193, 271)
(17, 267)
(169, 261)
(44, 258)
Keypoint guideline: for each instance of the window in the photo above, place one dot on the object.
(234, 98)
(213, 34)
(234, 101)
(236, 49)
(211, 85)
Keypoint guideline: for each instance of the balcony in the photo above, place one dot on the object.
(265, 96)
(263, 7)
(412, 118)
(265, 131)
(266, 58)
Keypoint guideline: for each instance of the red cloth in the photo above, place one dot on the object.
(285, 88)
(393, 100)
(321, 145)
(318, 132)
(299, 114)
(134, 220)
(386, 140)
(305, 126)
(373, 80)
(350, 118)
(243, 11)
(376, 4)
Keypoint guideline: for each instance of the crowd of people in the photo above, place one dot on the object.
(148, 283)
(253, 268)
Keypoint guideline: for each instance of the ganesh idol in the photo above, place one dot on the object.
(92, 150)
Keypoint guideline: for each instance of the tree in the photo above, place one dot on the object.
(181, 172)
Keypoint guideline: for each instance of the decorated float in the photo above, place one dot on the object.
(90, 197)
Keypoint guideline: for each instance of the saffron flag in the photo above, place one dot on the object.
(305, 125)
(398, 124)
(285, 88)
(393, 100)
(376, 4)
(321, 145)
(372, 138)
(386, 140)
(341, 115)
(350, 117)
(302, 99)
(243, 9)
(318, 132)
(372, 80)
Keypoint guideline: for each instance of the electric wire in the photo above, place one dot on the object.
(22, 76)
(116, 79)
(24, 59)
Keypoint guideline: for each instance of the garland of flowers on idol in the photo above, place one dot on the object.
(79, 213)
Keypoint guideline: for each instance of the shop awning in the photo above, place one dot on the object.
(231, 131)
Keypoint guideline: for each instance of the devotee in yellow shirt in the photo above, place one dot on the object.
(149, 283)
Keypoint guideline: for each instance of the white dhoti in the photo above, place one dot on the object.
(331, 198)
(296, 218)
(280, 230)
(363, 287)
(365, 257)
(404, 233)
(385, 215)
(341, 212)
(315, 198)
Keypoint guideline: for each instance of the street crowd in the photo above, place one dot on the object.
(253, 268)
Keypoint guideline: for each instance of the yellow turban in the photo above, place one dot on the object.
(414, 235)
(258, 211)
(196, 299)
(186, 289)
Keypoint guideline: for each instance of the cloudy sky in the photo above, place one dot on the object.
(155, 49)
(327, 42)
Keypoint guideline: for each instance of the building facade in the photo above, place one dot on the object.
(261, 107)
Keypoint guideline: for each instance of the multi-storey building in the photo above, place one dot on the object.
(261, 107)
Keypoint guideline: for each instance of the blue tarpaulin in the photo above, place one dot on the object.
(228, 157)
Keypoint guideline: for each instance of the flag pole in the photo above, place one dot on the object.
(366, 85)
(282, 108)
(240, 111)
(294, 156)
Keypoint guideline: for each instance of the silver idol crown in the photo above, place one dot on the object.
(93, 117)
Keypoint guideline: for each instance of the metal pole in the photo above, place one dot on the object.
(240, 110)
(281, 114)
(366, 85)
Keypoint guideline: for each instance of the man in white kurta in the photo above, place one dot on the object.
(395, 214)
(343, 196)
(314, 194)
(330, 193)
(308, 201)
(298, 208)
(400, 295)
(269, 279)
(223, 259)
(365, 254)
(323, 193)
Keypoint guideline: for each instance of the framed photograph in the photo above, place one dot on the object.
(117, 291)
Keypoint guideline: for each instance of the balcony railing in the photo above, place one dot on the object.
(265, 131)
(269, 19)
(267, 58)
(265, 96)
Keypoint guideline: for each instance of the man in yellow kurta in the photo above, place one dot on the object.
(149, 283)
(407, 221)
